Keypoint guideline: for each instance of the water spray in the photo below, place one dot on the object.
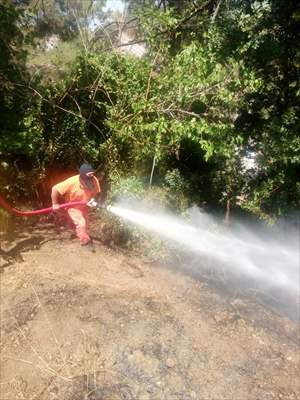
(267, 262)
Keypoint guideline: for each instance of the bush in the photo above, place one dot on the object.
(178, 189)
(128, 189)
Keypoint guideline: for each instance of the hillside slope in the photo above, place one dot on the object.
(109, 326)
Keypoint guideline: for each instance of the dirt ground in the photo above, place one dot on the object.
(110, 326)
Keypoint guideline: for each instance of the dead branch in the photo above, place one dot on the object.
(180, 111)
(216, 12)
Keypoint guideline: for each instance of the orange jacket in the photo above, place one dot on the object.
(72, 190)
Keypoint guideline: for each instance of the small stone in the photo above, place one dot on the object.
(218, 318)
(170, 362)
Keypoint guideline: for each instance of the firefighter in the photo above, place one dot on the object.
(82, 187)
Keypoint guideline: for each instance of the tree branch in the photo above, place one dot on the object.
(193, 14)
(216, 12)
(180, 111)
(63, 109)
(152, 170)
(151, 73)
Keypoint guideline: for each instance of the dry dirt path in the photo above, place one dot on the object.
(108, 326)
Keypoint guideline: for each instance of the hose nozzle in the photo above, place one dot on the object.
(104, 206)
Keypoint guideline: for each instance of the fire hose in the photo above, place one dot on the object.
(13, 210)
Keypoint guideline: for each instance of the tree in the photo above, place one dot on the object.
(269, 117)
(12, 74)
(19, 134)
(66, 18)
(219, 80)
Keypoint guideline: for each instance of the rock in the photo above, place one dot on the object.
(170, 362)
(220, 317)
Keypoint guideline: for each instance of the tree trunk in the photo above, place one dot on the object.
(227, 213)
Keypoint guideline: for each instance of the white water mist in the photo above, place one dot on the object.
(266, 260)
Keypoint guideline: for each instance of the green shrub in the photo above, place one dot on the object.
(129, 188)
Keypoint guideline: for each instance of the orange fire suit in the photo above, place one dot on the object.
(72, 190)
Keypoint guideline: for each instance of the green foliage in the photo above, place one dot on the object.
(269, 116)
(131, 188)
(54, 64)
(178, 191)
(12, 74)
(66, 18)
(217, 82)
(153, 112)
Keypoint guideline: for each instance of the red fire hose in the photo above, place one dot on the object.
(10, 209)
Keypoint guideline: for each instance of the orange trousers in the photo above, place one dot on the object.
(79, 218)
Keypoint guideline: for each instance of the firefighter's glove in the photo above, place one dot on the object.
(92, 203)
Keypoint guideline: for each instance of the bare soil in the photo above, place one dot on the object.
(110, 326)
